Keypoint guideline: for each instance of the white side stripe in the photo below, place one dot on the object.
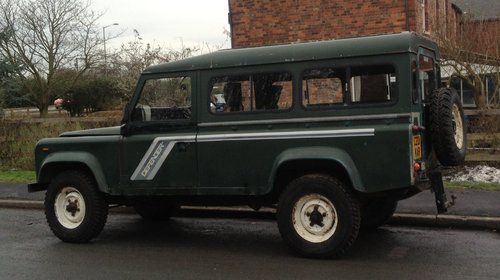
(161, 147)
(286, 135)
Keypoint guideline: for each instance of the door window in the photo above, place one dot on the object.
(164, 99)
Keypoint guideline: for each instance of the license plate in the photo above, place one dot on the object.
(417, 147)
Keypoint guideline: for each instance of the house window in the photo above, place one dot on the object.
(490, 90)
(446, 31)
(425, 14)
(464, 90)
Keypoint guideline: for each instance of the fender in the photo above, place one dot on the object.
(76, 157)
(336, 155)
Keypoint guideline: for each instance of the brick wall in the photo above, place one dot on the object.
(271, 22)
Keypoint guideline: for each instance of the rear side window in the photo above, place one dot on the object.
(373, 84)
(322, 87)
(251, 93)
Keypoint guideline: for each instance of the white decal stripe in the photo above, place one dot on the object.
(286, 135)
(172, 141)
(163, 157)
(149, 153)
(307, 120)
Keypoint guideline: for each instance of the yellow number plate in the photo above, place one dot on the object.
(417, 147)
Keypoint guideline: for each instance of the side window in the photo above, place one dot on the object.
(373, 84)
(322, 87)
(164, 99)
(249, 93)
(427, 76)
(414, 82)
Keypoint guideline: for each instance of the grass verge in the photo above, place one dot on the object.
(17, 176)
(473, 186)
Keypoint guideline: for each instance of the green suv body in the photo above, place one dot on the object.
(331, 133)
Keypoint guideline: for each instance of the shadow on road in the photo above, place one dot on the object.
(257, 238)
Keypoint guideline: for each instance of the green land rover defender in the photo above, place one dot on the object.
(332, 134)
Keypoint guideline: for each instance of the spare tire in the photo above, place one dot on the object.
(448, 127)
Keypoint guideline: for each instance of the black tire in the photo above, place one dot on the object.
(347, 218)
(156, 210)
(448, 127)
(376, 213)
(93, 211)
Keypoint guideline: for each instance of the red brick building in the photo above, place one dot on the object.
(271, 22)
(266, 22)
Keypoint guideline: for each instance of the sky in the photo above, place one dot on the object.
(167, 23)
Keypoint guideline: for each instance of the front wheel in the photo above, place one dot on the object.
(318, 216)
(75, 210)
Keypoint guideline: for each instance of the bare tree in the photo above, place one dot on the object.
(128, 62)
(45, 36)
(473, 52)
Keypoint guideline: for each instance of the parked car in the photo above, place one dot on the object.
(330, 133)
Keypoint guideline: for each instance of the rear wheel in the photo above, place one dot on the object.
(448, 128)
(318, 216)
(75, 210)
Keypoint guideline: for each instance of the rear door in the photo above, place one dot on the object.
(427, 82)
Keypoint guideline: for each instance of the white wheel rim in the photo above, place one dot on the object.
(458, 126)
(69, 207)
(315, 218)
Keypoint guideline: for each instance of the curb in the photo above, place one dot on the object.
(400, 219)
(456, 221)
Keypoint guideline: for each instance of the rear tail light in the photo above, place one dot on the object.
(417, 167)
(417, 129)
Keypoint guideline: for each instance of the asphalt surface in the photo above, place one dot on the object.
(468, 203)
(187, 248)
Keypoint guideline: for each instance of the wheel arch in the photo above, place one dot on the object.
(58, 162)
(296, 162)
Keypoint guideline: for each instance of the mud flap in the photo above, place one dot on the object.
(442, 202)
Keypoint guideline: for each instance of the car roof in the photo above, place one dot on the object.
(341, 48)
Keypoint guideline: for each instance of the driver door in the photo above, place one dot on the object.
(159, 146)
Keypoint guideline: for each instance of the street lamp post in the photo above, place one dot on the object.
(104, 38)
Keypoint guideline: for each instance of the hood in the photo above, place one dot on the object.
(105, 131)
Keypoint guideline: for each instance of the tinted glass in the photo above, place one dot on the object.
(249, 93)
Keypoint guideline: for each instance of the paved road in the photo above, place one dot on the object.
(469, 202)
(235, 249)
